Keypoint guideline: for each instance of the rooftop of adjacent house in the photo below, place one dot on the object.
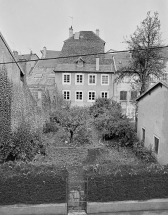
(44, 62)
(28, 56)
(160, 83)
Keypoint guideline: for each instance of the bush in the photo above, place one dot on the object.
(82, 136)
(24, 144)
(111, 123)
(145, 154)
(50, 127)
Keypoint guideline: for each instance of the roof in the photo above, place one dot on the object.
(27, 56)
(121, 59)
(42, 77)
(86, 68)
(160, 83)
(49, 63)
(88, 43)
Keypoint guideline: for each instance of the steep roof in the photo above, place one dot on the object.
(87, 43)
(27, 56)
(121, 59)
(51, 63)
(160, 83)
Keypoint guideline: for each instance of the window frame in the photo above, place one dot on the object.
(63, 78)
(132, 99)
(78, 100)
(76, 83)
(66, 96)
(91, 91)
(95, 79)
(102, 78)
(104, 92)
(156, 137)
(143, 134)
(126, 95)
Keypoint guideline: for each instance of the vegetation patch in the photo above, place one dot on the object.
(129, 183)
(22, 183)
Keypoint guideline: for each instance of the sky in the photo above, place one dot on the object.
(29, 25)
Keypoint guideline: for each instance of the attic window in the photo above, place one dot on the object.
(80, 62)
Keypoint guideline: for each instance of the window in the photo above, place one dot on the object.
(39, 94)
(133, 95)
(92, 79)
(79, 79)
(38, 75)
(91, 96)
(123, 95)
(79, 96)
(66, 78)
(66, 94)
(143, 134)
(104, 94)
(104, 79)
(156, 144)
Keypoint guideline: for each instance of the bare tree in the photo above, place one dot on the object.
(147, 58)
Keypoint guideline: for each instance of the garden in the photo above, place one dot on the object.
(96, 143)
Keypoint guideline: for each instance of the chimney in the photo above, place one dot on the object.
(44, 52)
(70, 31)
(97, 32)
(97, 63)
(15, 54)
(76, 36)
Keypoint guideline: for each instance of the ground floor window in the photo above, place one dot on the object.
(143, 134)
(91, 95)
(123, 95)
(66, 94)
(156, 144)
(79, 96)
(104, 94)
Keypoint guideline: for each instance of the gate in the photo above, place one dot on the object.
(76, 192)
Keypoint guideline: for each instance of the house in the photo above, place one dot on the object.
(153, 120)
(27, 61)
(17, 103)
(41, 79)
(83, 72)
(126, 89)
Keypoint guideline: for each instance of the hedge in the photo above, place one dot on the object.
(119, 187)
(33, 187)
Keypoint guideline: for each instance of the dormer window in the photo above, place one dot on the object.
(80, 62)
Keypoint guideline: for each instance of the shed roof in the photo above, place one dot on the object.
(160, 83)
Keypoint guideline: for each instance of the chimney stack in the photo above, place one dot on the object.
(97, 32)
(97, 63)
(15, 54)
(44, 52)
(70, 31)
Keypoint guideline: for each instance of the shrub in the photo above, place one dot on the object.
(111, 123)
(24, 144)
(82, 136)
(50, 127)
(146, 154)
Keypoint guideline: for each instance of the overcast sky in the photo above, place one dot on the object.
(32, 24)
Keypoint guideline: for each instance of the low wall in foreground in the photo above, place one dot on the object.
(154, 206)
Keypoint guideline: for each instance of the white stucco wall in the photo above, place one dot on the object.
(153, 117)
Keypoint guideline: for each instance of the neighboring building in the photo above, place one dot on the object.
(16, 98)
(126, 90)
(153, 120)
(84, 77)
(42, 76)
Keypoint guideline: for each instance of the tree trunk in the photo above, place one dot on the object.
(71, 137)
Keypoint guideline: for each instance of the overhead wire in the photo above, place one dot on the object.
(81, 55)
